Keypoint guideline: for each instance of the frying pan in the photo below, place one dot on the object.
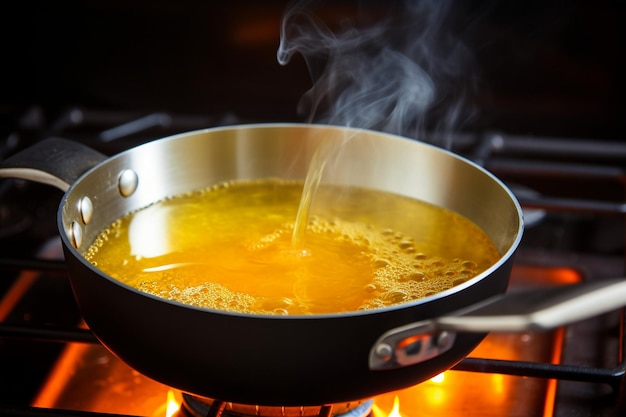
(291, 360)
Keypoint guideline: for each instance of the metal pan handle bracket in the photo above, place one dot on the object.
(408, 345)
(532, 310)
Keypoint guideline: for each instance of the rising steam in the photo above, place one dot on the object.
(406, 74)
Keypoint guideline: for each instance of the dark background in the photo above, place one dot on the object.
(552, 68)
(544, 68)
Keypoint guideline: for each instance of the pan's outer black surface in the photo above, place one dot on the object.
(273, 360)
(265, 361)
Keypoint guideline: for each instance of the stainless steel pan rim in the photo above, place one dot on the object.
(64, 226)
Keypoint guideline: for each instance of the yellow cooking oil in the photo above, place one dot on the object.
(231, 247)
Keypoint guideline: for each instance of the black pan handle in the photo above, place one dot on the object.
(53, 161)
(522, 311)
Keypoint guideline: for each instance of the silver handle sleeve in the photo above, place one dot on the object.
(522, 311)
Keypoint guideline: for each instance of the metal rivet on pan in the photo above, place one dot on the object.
(85, 207)
(384, 351)
(128, 181)
(444, 339)
(76, 234)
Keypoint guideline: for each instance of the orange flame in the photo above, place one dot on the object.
(438, 379)
(395, 410)
(173, 405)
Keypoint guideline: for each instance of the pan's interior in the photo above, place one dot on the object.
(368, 159)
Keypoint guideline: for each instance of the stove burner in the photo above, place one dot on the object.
(203, 407)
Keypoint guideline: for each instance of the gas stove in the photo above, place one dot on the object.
(114, 75)
(573, 233)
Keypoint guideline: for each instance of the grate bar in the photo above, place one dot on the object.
(33, 265)
(48, 334)
(612, 377)
(22, 411)
(574, 205)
